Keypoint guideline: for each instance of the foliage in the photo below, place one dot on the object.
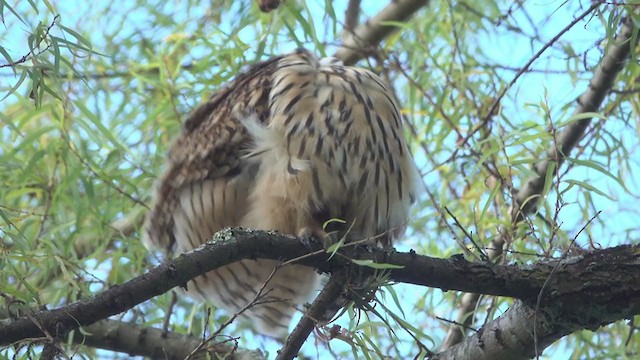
(94, 92)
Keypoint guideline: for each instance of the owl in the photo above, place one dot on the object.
(291, 143)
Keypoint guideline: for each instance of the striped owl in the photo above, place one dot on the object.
(292, 142)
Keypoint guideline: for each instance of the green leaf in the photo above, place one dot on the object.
(78, 37)
(597, 167)
(331, 13)
(373, 345)
(33, 292)
(333, 249)
(581, 116)
(65, 272)
(549, 176)
(375, 265)
(588, 187)
(93, 118)
(56, 57)
(49, 6)
(3, 4)
(363, 346)
(489, 201)
(33, 6)
(15, 87)
(7, 57)
(398, 24)
(396, 299)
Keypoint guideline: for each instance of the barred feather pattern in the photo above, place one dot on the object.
(291, 143)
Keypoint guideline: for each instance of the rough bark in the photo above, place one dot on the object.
(136, 340)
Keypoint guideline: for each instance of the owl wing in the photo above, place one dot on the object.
(204, 185)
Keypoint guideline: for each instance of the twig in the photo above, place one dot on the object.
(229, 321)
(169, 312)
(496, 102)
(483, 256)
(31, 52)
(453, 322)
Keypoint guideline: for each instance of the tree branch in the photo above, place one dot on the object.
(351, 16)
(316, 312)
(354, 45)
(576, 306)
(370, 33)
(134, 339)
(611, 274)
(526, 199)
(590, 101)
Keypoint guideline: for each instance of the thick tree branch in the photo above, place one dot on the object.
(526, 199)
(370, 33)
(572, 306)
(609, 271)
(154, 343)
(316, 312)
(508, 337)
(575, 307)
(351, 16)
(133, 339)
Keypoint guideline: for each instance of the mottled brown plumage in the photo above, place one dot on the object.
(289, 144)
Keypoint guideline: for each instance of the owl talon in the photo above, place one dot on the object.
(311, 237)
(308, 242)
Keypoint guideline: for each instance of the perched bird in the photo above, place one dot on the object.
(292, 142)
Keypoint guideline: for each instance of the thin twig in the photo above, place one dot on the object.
(453, 322)
(31, 52)
(524, 69)
(483, 256)
(259, 295)
(169, 312)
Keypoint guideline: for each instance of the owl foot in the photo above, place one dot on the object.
(312, 235)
